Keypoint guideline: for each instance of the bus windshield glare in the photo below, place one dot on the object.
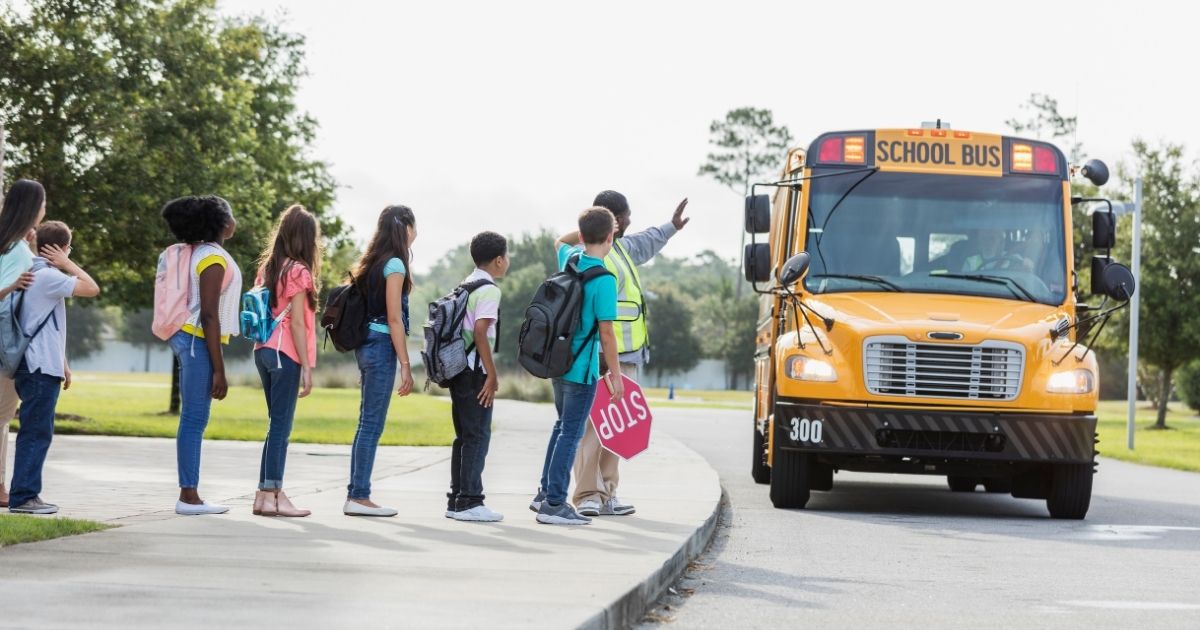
(996, 237)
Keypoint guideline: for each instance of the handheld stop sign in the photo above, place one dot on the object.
(622, 424)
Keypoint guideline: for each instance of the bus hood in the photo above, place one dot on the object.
(917, 315)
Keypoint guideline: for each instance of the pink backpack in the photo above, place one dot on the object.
(172, 282)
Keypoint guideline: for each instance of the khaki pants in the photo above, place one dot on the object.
(8, 409)
(596, 474)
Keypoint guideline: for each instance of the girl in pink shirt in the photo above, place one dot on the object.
(289, 266)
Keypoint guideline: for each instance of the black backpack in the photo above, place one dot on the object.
(345, 317)
(445, 353)
(552, 319)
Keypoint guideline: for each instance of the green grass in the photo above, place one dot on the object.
(700, 399)
(133, 405)
(1177, 448)
(20, 528)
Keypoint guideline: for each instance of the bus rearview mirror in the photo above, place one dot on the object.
(757, 260)
(794, 269)
(1096, 172)
(1104, 230)
(758, 214)
(1112, 279)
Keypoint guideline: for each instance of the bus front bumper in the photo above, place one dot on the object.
(931, 434)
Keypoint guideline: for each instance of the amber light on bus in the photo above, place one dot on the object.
(1028, 158)
(846, 150)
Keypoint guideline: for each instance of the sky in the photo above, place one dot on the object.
(511, 116)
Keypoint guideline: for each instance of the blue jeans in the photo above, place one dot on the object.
(39, 397)
(280, 377)
(195, 393)
(574, 404)
(377, 367)
(472, 435)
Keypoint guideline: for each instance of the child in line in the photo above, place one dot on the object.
(289, 266)
(575, 391)
(213, 303)
(473, 391)
(382, 274)
(24, 208)
(42, 374)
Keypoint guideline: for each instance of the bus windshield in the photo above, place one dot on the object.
(886, 231)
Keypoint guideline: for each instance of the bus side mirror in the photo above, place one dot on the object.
(758, 214)
(1096, 172)
(1104, 230)
(1112, 279)
(758, 262)
(793, 269)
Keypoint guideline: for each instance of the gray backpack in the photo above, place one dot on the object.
(445, 352)
(13, 340)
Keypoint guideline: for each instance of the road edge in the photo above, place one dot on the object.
(629, 608)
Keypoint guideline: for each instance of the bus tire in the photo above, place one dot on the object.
(789, 479)
(998, 485)
(962, 484)
(1070, 491)
(759, 471)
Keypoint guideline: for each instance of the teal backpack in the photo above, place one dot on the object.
(257, 322)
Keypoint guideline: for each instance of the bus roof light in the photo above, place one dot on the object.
(831, 150)
(1044, 160)
(1022, 158)
(855, 149)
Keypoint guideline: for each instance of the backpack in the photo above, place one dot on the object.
(257, 321)
(445, 353)
(13, 340)
(172, 282)
(345, 317)
(552, 319)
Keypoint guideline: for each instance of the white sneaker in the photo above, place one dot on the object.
(614, 507)
(449, 513)
(479, 514)
(354, 508)
(591, 507)
(189, 509)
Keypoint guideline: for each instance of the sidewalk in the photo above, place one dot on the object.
(418, 569)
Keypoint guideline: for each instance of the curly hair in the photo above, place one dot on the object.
(487, 246)
(197, 219)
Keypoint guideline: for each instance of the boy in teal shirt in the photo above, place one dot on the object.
(575, 391)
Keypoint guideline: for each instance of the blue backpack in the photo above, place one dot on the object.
(257, 322)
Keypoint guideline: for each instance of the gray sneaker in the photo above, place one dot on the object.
(34, 506)
(561, 514)
(614, 507)
(536, 504)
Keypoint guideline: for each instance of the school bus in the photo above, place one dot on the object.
(919, 315)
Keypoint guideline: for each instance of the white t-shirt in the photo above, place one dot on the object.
(203, 256)
(47, 297)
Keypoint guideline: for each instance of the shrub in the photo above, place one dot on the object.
(1187, 384)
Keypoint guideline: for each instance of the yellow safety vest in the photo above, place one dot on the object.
(630, 327)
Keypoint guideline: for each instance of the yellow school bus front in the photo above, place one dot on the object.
(932, 332)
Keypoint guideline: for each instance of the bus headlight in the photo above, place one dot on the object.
(1071, 382)
(803, 368)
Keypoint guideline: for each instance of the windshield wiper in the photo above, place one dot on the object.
(883, 282)
(1013, 286)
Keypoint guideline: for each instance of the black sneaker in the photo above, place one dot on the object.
(561, 514)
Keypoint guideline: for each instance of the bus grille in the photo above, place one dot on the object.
(895, 366)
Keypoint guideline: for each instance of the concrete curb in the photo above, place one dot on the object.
(628, 609)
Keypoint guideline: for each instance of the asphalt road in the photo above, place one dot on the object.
(902, 551)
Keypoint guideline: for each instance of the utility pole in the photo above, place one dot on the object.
(1131, 386)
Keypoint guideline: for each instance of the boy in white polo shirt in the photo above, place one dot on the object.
(43, 374)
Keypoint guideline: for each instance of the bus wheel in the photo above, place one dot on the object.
(962, 484)
(758, 464)
(998, 485)
(789, 479)
(1070, 491)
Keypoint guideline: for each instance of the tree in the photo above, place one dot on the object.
(674, 347)
(118, 106)
(1046, 122)
(1170, 275)
(89, 326)
(749, 148)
